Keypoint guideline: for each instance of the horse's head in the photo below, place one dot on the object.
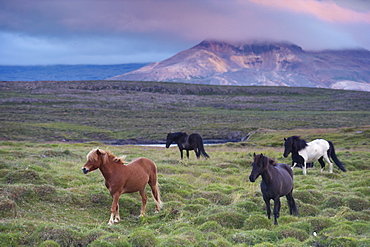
(94, 160)
(169, 140)
(259, 165)
(288, 144)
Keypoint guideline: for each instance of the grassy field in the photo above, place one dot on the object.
(134, 112)
(46, 200)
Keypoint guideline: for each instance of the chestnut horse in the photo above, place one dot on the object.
(121, 178)
(277, 181)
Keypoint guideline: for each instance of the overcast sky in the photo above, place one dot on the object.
(44, 32)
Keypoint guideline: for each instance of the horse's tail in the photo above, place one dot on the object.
(201, 147)
(331, 153)
(154, 185)
(157, 195)
(294, 207)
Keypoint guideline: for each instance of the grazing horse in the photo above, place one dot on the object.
(304, 152)
(187, 142)
(121, 178)
(277, 181)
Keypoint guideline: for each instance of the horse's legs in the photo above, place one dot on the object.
(187, 153)
(328, 160)
(197, 152)
(304, 168)
(144, 199)
(181, 154)
(277, 205)
(322, 163)
(114, 209)
(268, 207)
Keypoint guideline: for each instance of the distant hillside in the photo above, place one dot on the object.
(64, 72)
(260, 63)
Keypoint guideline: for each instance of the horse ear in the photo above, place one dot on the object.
(254, 154)
(99, 152)
(284, 139)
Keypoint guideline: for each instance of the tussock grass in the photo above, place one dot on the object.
(134, 112)
(47, 201)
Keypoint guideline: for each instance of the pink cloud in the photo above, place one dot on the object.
(324, 10)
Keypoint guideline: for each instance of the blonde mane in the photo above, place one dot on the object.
(93, 156)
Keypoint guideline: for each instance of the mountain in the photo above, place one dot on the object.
(260, 63)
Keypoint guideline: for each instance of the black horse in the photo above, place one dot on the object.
(187, 142)
(277, 181)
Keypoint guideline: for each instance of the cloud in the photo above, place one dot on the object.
(324, 10)
(96, 31)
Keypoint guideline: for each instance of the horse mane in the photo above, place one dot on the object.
(178, 134)
(298, 143)
(93, 156)
(271, 162)
(268, 160)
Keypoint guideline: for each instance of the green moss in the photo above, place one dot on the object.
(49, 243)
(257, 222)
(287, 232)
(143, 238)
(333, 202)
(317, 224)
(305, 196)
(175, 241)
(357, 203)
(211, 226)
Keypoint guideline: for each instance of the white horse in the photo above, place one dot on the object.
(305, 152)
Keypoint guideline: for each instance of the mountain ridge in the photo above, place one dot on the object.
(260, 63)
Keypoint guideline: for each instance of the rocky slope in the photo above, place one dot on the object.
(260, 63)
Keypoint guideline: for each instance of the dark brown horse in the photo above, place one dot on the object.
(277, 181)
(121, 178)
(188, 142)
